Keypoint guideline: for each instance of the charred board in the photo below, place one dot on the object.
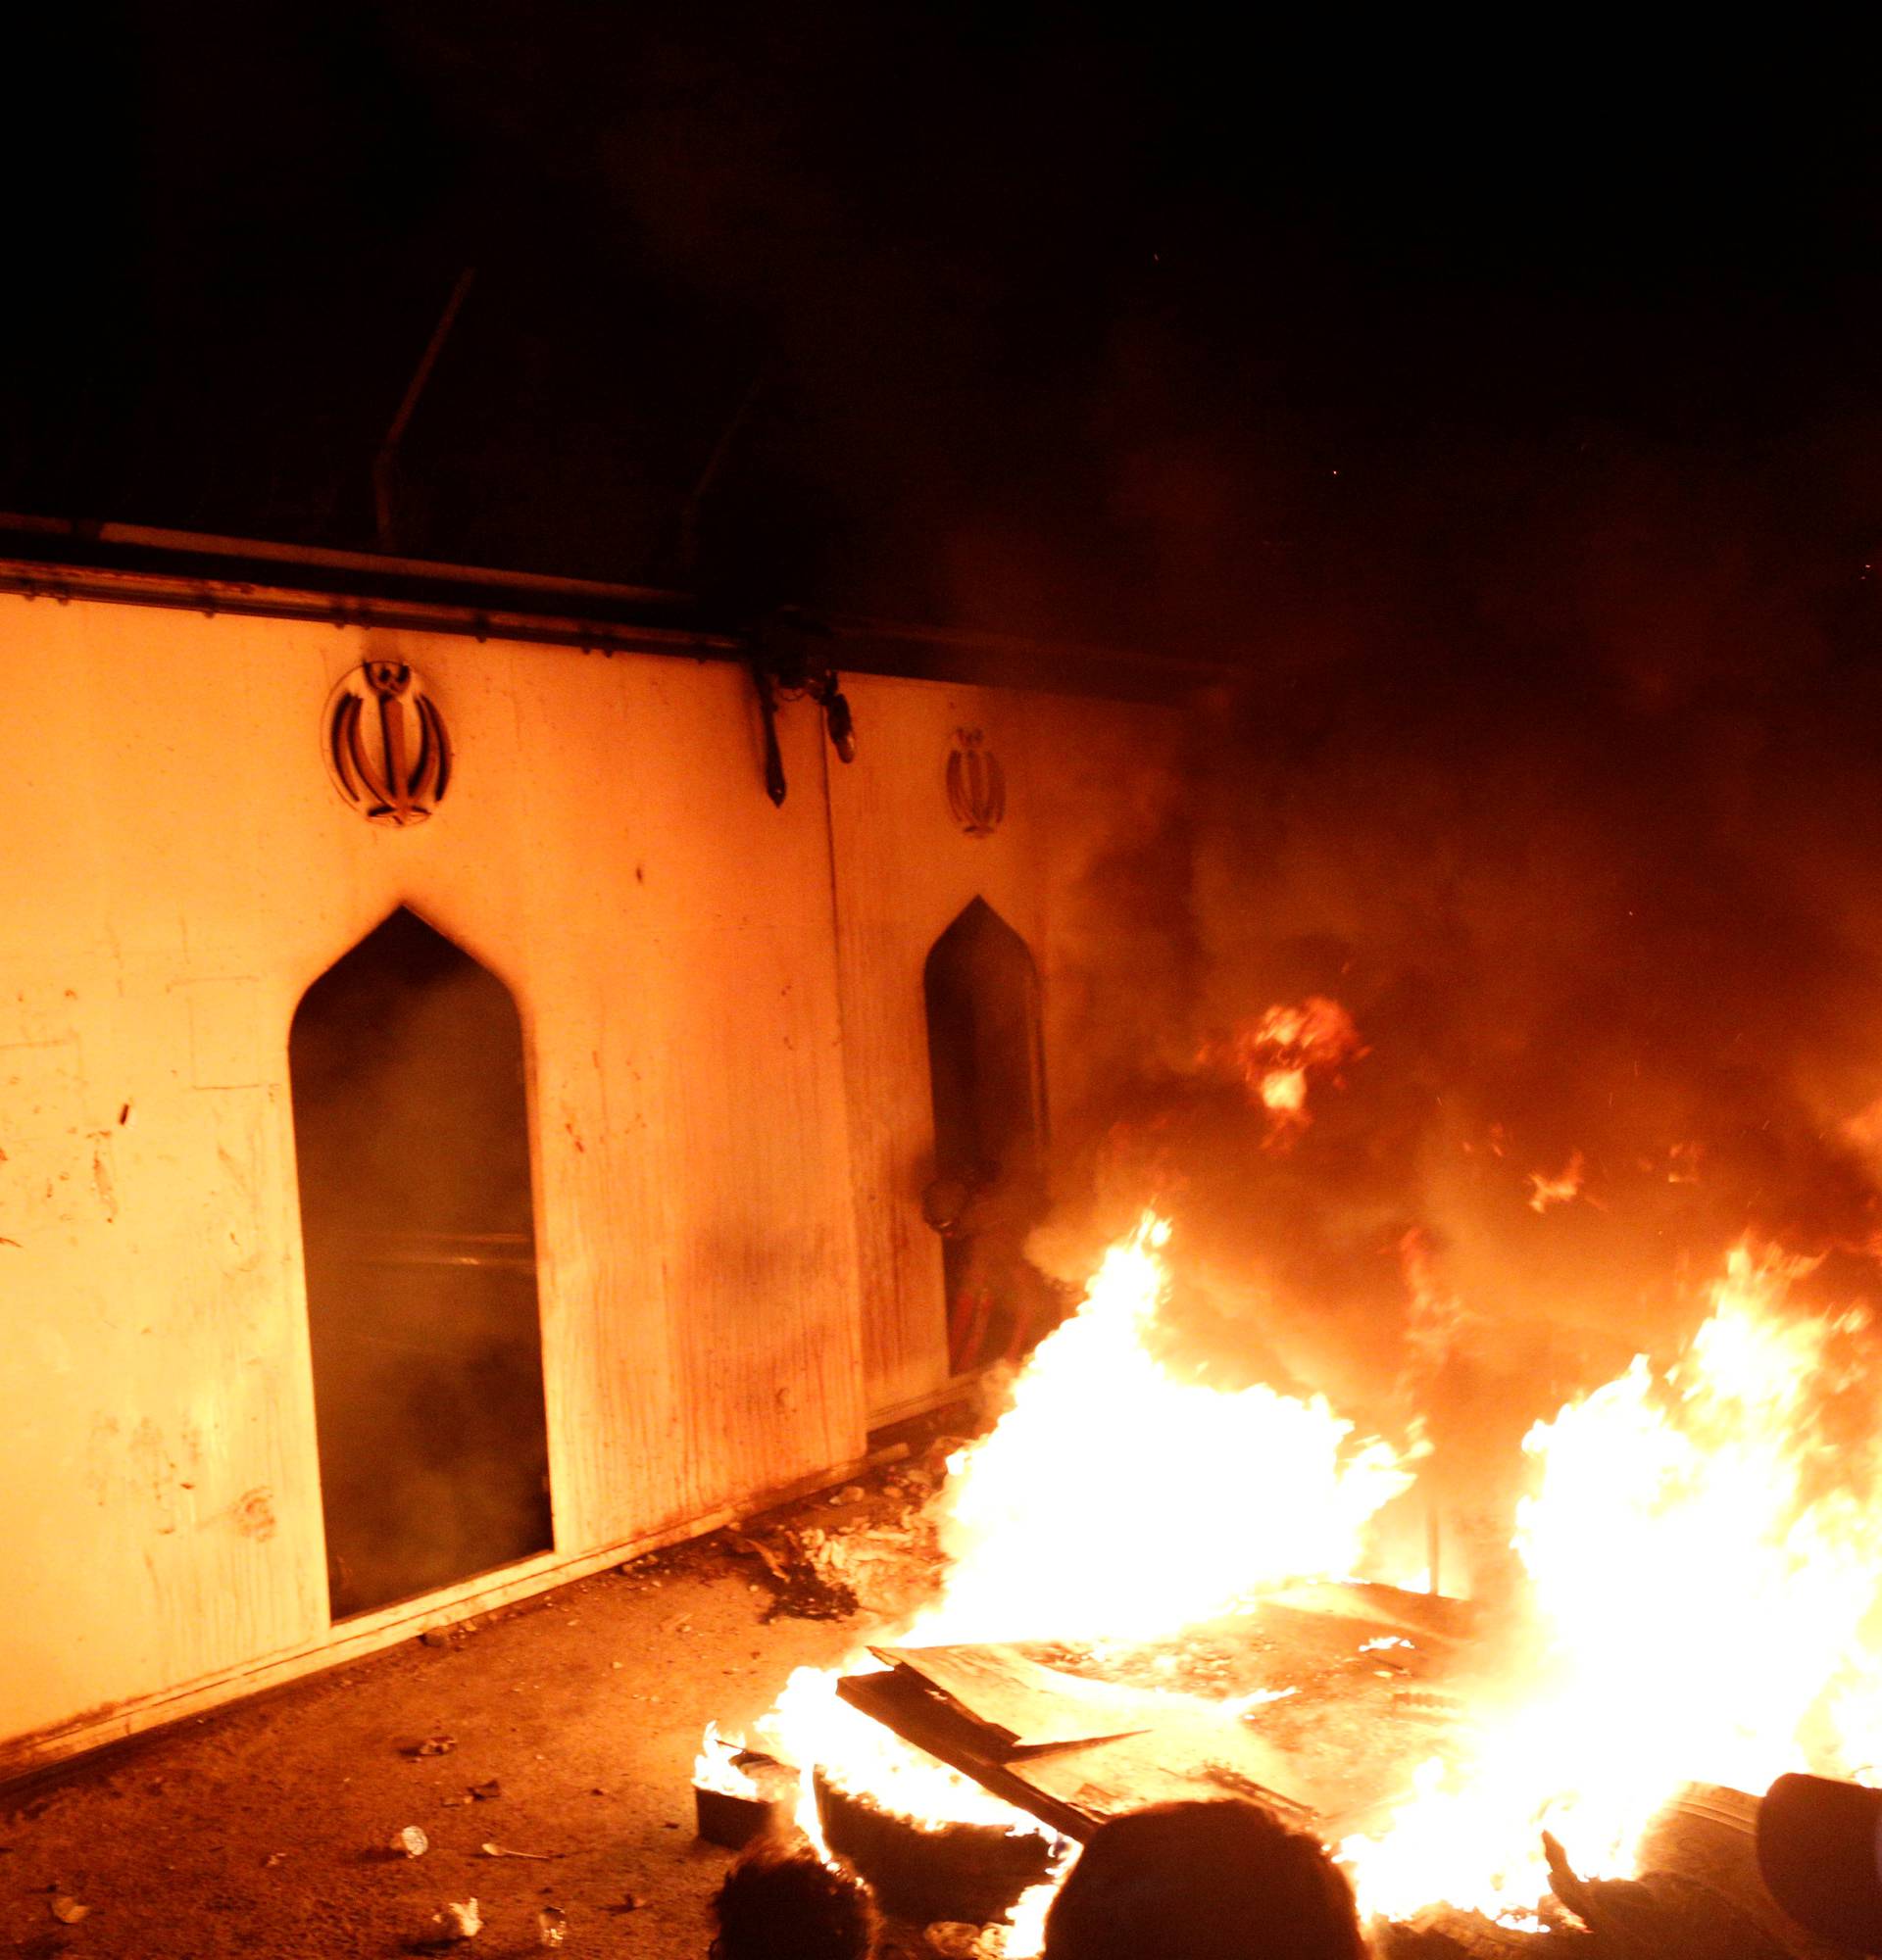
(1085, 1739)
(1074, 1786)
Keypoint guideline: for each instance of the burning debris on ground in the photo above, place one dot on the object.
(1315, 1672)
(1426, 1738)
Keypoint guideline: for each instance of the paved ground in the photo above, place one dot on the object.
(264, 1830)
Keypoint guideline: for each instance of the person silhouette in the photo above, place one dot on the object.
(780, 1901)
(1221, 1879)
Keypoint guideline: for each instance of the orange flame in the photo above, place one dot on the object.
(1280, 1052)
(1560, 1189)
(716, 1766)
(1704, 1602)
(1702, 1548)
(1094, 1507)
(1134, 1543)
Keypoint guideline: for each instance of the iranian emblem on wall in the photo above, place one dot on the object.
(385, 744)
(977, 784)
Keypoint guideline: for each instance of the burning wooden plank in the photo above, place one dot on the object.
(1073, 1786)
(1017, 1703)
(1074, 1751)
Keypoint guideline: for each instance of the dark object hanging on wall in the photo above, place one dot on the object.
(977, 784)
(386, 746)
(788, 664)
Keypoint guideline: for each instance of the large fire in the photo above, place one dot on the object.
(1164, 1514)
(1135, 1543)
(1700, 1551)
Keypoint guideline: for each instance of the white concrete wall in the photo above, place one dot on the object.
(1083, 779)
(175, 869)
(721, 1004)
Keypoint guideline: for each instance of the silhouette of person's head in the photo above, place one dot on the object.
(1216, 1880)
(780, 1901)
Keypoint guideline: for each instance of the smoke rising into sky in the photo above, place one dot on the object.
(1592, 873)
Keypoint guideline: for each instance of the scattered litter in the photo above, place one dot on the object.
(884, 1569)
(552, 1926)
(411, 1842)
(802, 1591)
(272, 1859)
(433, 1745)
(850, 1494)
(67, 1911)
(631, 1904)
(494, 1850)
(456, 1922)
(436, 1637)
(485, 1791)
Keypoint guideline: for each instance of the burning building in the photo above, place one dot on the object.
(501, 1075)
(1536, 1269)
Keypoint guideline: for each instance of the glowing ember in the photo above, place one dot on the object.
(1279, 1052)
(1284, 1091)
(1558, 1190)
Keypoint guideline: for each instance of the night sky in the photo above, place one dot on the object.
(1157, 337)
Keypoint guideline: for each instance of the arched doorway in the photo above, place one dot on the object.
(410, 1129)
(987, 1072)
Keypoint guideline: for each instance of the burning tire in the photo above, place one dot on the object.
(974, 1871)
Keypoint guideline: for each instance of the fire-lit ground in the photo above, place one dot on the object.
(264, 1830)
(1697, 1607)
